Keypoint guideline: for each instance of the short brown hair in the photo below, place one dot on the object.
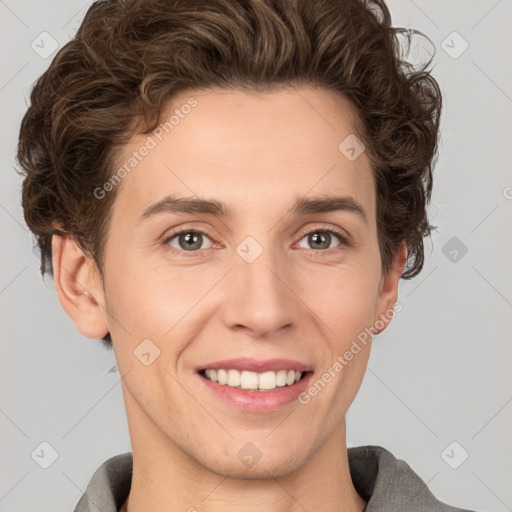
(129, 58)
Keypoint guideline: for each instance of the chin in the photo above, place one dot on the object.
(260, 470)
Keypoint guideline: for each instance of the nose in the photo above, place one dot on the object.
(260, 297)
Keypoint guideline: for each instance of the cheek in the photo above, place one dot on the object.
(167, 306)
(347, 306)
(143, 304)
(344, 297)
(349, 313)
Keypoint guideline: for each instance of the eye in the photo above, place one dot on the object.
(188, 240)
(322, 238)
(191, 241)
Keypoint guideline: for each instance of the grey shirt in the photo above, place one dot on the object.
(388, 484)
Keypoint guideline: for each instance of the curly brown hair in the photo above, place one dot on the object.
(129, 58)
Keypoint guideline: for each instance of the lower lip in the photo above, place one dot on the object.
(258, 401)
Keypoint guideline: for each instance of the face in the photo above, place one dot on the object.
(187, 290)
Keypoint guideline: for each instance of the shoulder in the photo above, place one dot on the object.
(109, 486)
(388, 483)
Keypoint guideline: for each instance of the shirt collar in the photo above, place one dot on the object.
(385, 482)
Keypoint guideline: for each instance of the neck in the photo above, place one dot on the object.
(166, 478)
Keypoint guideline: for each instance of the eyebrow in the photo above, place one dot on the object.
(302, 206)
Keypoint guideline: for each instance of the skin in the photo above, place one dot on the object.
(257, 153)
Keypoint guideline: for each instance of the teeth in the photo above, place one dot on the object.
(222, 376)
(252, 380)
(233, 378)
(248, 380)
(281, 378)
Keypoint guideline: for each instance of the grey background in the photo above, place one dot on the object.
(439, 374)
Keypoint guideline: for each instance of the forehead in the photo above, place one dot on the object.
(249, 150)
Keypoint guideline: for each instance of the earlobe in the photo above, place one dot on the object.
(388, 289)
(79, 287)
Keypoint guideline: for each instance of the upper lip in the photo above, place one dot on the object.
(257, 365)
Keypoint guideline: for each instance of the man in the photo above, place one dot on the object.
(227, 194)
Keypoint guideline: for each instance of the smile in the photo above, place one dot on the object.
(266, 391)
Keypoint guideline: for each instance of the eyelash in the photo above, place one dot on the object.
(338, 233)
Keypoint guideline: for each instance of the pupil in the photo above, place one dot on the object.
(191, 240)
(325, 236)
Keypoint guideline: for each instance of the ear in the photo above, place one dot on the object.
(388, 290)
(79, 287)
